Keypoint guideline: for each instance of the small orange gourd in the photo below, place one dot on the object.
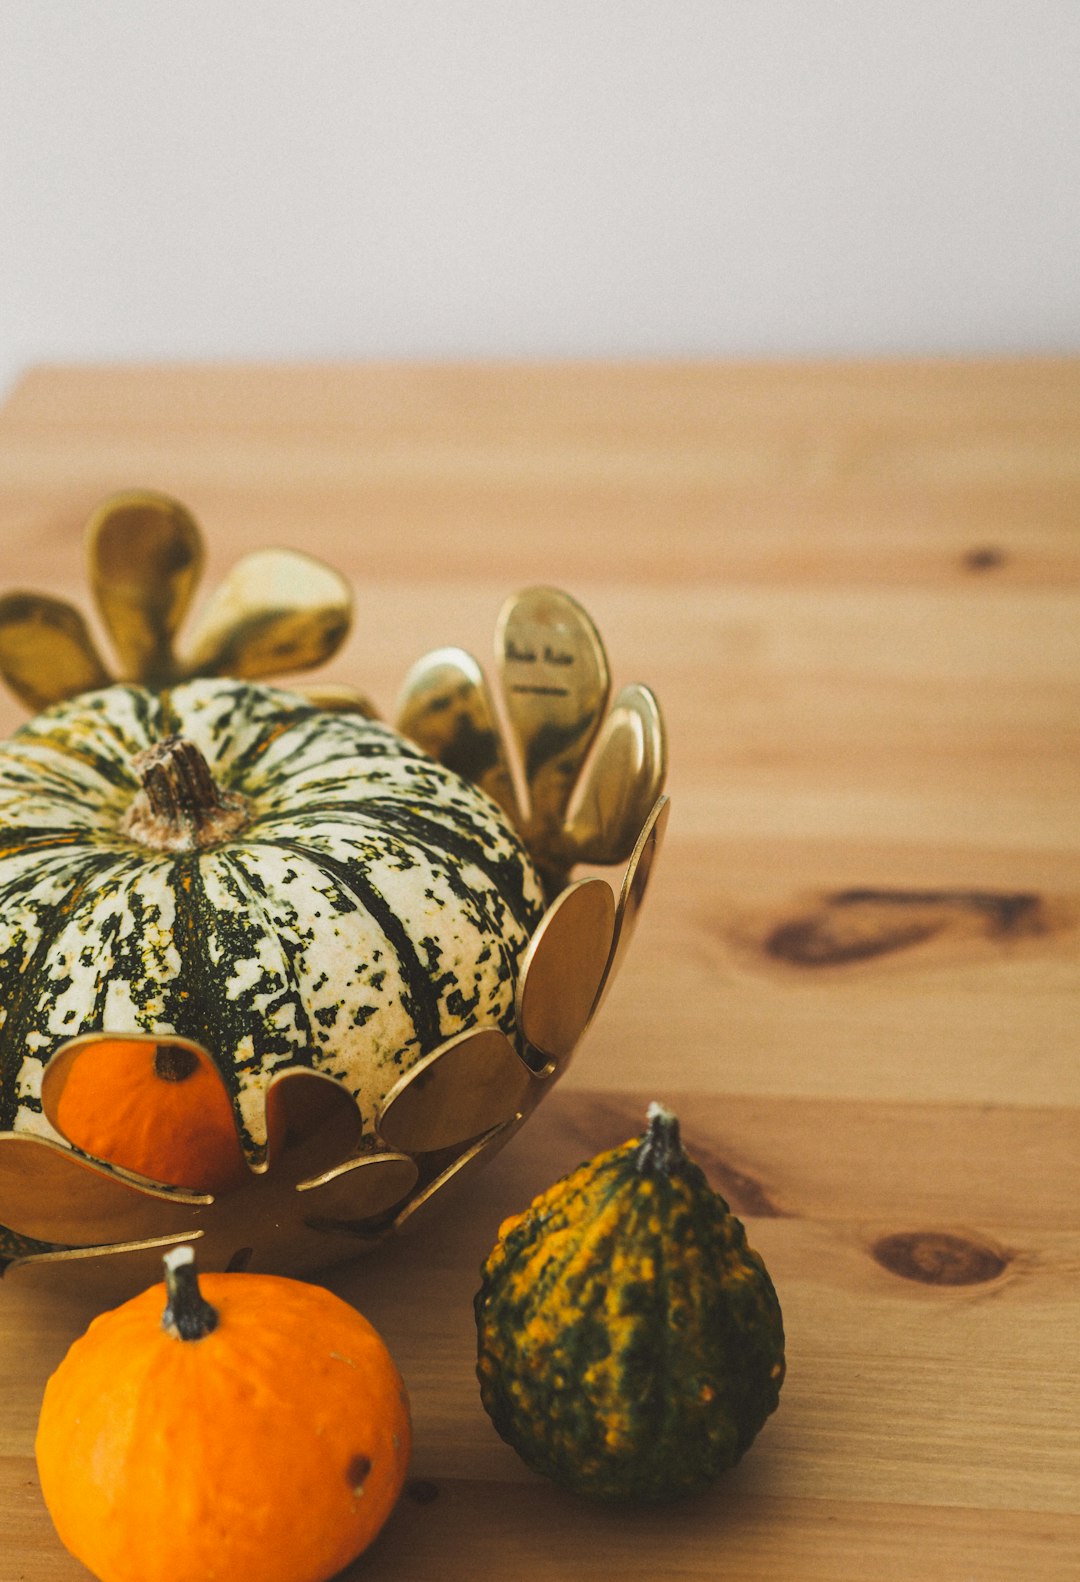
(158, 1109)
(254, 1428)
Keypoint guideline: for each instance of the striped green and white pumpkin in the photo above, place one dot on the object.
(356, 904)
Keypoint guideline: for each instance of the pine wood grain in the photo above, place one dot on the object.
(856, 590)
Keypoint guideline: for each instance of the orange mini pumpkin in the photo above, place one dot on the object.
(257, 1427)
(159, 1109)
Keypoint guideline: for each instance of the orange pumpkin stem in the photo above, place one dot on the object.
(187, 1315)
(180, 807)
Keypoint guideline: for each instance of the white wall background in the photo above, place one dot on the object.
(463, 178)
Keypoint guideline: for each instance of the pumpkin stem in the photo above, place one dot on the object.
(187, 1316)
(661, 1149)
(180, 807)
(174, 1063)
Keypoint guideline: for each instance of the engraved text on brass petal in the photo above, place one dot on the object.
(554, 676)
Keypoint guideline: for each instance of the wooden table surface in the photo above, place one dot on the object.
(856, 590)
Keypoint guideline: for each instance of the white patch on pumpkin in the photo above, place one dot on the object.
(83, 952)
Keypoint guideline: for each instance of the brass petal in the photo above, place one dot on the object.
(316, 1119)
(554, 676)
(562, 971)
(276, 611)
(470, 1084)
(46, 650)
(114, 1273)
(262, 1228)
(49, 1192)
(635, 882)
(103, 1274)
(357, 1190)
(462, 1164)
(445, 708)
(146, 556)
(624, 779)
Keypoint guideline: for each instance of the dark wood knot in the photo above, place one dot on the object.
(984, 557)
(939, 1258)
(860, 923)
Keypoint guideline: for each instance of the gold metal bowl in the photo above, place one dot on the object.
(582, 783)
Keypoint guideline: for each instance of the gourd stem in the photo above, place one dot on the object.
(174, 1063)
(177, 779)
(180, 807)
(661, 1147)
(187, 1315)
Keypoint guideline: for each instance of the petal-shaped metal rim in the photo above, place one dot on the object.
(277, 610)
(51, 1193)
(445, 707)
(47, 653)
(469, 1085)
(478, 1153)
(145, 554)
(623, 779)
(635, 882)
(359, 1189)
(562, 971)
(313, 1122)
(109, 1272)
